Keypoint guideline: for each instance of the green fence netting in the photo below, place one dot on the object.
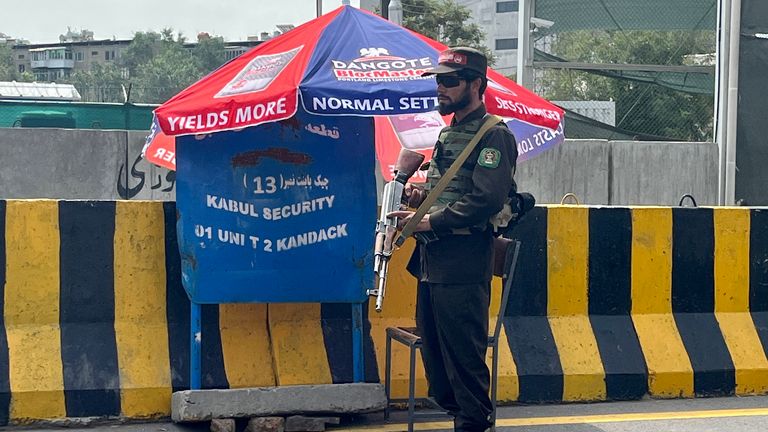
(646, 66)
(75, 115)
(569, 15)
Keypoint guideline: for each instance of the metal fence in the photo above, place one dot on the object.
(643, 69)
(132, 93)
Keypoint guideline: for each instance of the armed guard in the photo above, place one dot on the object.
(453, 260)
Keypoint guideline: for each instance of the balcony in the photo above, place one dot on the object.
(53, 64)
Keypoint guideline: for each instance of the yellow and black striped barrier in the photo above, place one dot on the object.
(96, 323)
(614, 303)
(608, 303)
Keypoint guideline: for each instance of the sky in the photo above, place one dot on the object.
(42, 21)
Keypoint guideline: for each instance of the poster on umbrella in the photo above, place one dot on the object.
(281, 212)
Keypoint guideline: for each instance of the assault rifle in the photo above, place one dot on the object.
(386, 227)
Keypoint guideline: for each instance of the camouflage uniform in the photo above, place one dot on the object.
(455, 270)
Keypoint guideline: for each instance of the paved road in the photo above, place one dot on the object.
(744, 414)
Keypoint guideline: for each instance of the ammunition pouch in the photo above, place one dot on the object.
(500, 254)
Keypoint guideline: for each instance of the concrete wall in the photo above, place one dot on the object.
(54, 163)
(79, 164)
(580, 166)
(143, 180)
(106, 165)
(603, 172)
(661, 172)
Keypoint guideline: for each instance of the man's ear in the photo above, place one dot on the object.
(476, 84)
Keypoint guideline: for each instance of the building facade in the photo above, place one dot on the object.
(49, 62)
(497, 19)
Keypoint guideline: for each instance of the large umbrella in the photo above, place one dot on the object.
(254, 213)
(348, 62)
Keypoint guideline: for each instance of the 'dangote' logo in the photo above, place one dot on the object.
(376, 64)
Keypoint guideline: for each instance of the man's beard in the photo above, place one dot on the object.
(445, 108)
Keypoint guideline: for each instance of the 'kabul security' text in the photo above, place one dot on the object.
(269, 213)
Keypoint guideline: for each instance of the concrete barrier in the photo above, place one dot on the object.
(614, 303)
(60, 163)
(96, 323)
(659, 173)
(143, 180)
(608, 303)
(603, 172)
(579, 166)
(79, 164)
(107, 165)
(353, 398)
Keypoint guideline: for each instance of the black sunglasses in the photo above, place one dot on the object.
(448, 81)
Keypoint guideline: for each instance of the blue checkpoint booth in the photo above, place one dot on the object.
(282, 212)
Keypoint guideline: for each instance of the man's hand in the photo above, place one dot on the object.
(414, 195)
(404, 216)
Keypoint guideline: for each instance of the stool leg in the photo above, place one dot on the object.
(388, 376)
(494, 383)
(412, 389)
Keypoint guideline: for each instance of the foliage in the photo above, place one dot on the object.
(642, 108)
(102, 83)
(7, 68)
(209, 53)
(167, 73)
(26, 76)
(153, 68)
(143, 47)
(445, 21)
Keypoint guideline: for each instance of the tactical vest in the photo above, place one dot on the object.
(454, 139)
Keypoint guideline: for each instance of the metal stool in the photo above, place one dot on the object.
(410, 337)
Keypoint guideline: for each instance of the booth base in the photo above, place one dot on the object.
(202, 405)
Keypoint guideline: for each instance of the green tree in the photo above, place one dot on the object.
(209, 53)
(7, 68)
(167, 73)
(26, 76)
(162, 64)
(640, 107)
(102, 83)
(143, 48)
(445, 21)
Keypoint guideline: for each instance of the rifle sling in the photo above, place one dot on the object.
(430, 199)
